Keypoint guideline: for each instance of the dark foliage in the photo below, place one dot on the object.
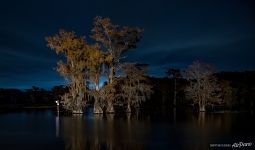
(242, 84)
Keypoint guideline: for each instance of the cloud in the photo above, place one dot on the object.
(14, 55)
(228, 52)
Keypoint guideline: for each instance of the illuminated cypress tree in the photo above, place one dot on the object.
(134, 87)
(203, 87)
(75, 49)
(115, 40)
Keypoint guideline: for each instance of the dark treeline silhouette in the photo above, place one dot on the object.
(238, 90)
(243, 89)
(34, 97)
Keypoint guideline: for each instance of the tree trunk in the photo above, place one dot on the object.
(128, 109)
(78, 108)
(174, 92)
(97, 108)
(111, 74)
(78, 111)
(110, 108)
(202, 108)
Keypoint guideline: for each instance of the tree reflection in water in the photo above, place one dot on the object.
(57, 126)
(148, 131)
(214, 120)
(207, 127)
(73, 132)
(103, 132)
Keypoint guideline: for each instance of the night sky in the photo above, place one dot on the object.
(221, 32)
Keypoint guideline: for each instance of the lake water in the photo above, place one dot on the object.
(45, 130)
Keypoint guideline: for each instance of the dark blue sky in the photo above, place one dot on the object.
(221, 32)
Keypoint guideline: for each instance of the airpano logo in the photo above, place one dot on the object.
(241, 144)
(238, 145)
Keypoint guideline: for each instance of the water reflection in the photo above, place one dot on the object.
(214, 121)
(141, 131)
(103, 132)
(201, 119)
(176, 130)
(174, 115)
(57, 126)
(72, 130)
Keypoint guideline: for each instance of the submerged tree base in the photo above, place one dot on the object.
(202, 108)
(97, 110)
(110, 109)
(77, 112)
(128, 110)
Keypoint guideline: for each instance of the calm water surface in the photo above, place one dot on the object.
(45, 130)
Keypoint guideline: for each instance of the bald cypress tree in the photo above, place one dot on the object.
(72, 68)
(134, 87)
(203, 88)
(95, 64)
(115, 40)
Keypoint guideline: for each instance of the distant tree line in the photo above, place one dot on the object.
(233, 91)
(15, 98)
(237, 94)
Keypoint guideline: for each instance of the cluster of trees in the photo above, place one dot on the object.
(201, 86)
(86, 63)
